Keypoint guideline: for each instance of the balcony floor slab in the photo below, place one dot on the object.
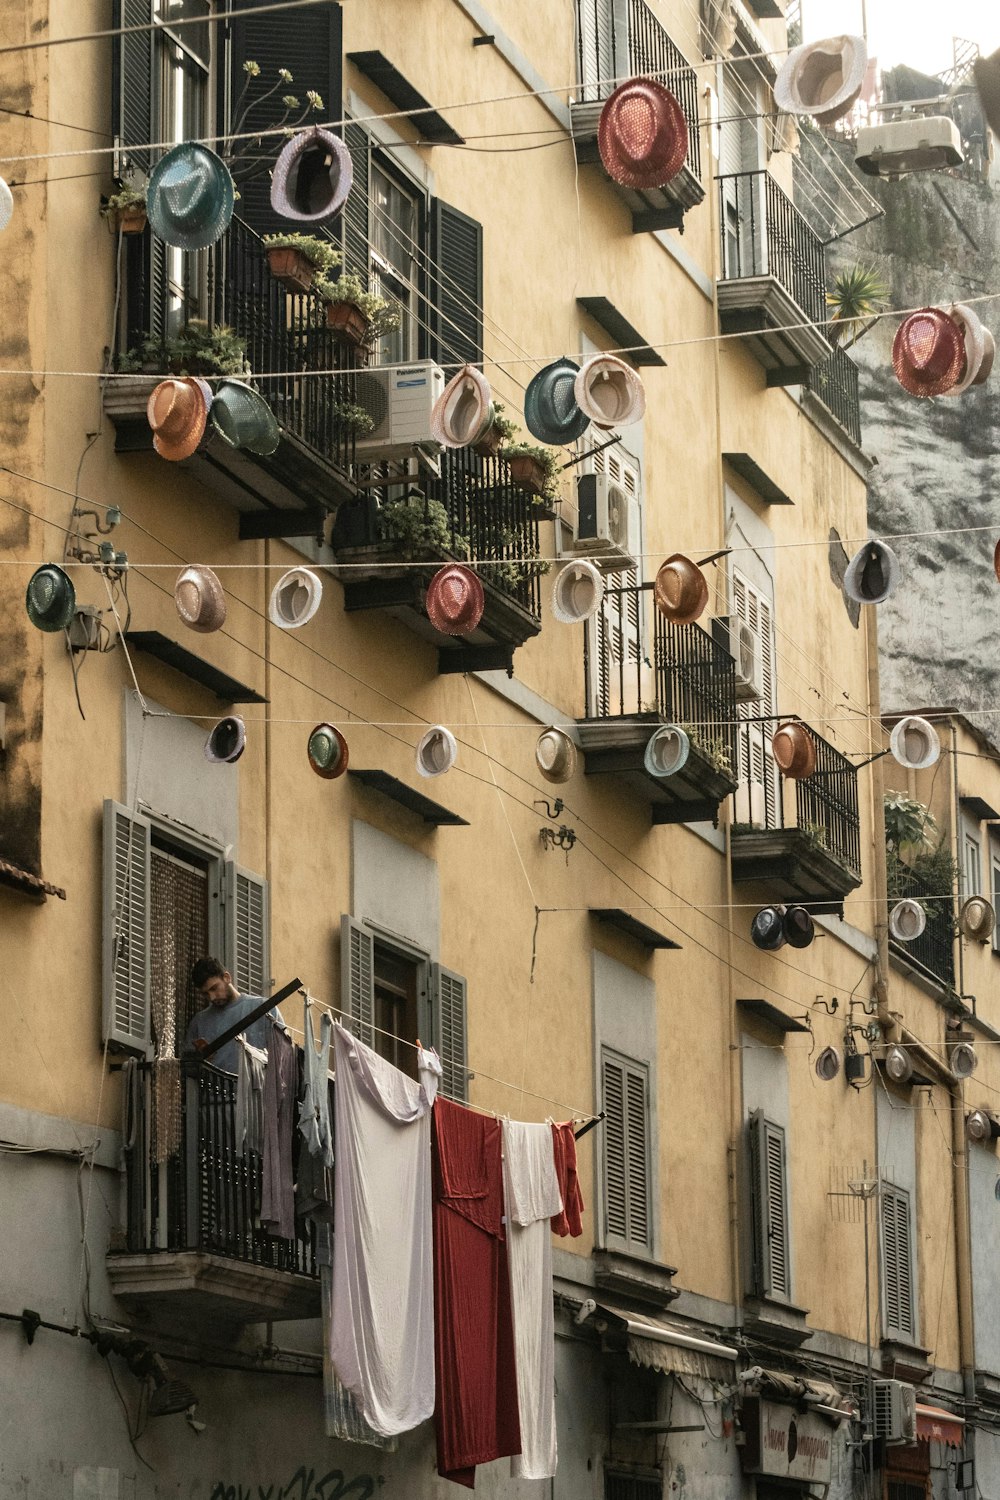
(792, 864)
(193, 1283)
(777, 331)
(616, 746)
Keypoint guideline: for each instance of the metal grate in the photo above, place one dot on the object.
(934, 949)
(835, 383)
(765, 235)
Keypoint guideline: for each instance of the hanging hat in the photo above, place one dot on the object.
(578, 591)
(914, 743)
(6, 204)
(797, 926)
(437, 751)
(555, 755)
(609, 392)
(227, 741)
(242, 417)
(642, 134)
(327, 751)
(977, 919)
(907, 920)
(767, 929)
(794, 750)
(50, 598)
(680, 590)
(996, 561)
(464, 410)
(872, 574)
(974, 339)
(200, 599)
(177, 413)
(312, 177)
(550, 410)
(667, 751)
(989, 355)
(987, 75)
(928, 352)
(822, 79)
(455, 600)
(190, 197)
(827, 1064)
(295, 598)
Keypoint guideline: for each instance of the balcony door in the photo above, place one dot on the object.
(595, 48)
(740, 156)
(620, 680)
(182, 93)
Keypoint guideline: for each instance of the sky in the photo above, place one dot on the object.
(918, 32)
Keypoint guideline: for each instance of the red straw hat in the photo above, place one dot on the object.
(642, 135)
(455, 600)
(928, 352)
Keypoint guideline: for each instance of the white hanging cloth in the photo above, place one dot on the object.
(531, 1197)
(382, 1314)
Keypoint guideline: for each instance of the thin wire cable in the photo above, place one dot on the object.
(211, 19)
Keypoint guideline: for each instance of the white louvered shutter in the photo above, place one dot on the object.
(771, 1265)
(617, 643)
(897, 1264)
(448, 1008)
(625, 1101)
(126, 922)
(755, 763)
(596, 49)
(357, 978)
(247, 949)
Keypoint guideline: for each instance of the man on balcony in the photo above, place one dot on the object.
(224, 1007)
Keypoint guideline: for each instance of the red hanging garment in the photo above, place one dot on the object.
(570, 1221)
(476, 1417)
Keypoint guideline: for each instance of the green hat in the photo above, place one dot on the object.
(551, 413)
(243, 418)
(50, 599)
(190, 197)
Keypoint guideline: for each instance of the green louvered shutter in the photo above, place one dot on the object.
(626, 1164)
(455, 287)
(247, 949)
(126, 977)
(770, 1254)
(134, 126)
(357, 246)
(448, 1003)
(357, 978)
(897, 1264)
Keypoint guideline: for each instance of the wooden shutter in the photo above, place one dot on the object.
(625, 1101)
(357, 978)
(126, 981)
(455, 287)
(355, 219)
(448, 1010)
(135, 122)
(755, 763)
(770, 1254)
(897, 1264)
(596, 48)
(309, 44)
(247, 950)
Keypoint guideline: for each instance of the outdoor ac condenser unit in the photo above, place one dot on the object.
(895, 1414)
(745, 647)
(399, 400)
(607, 522)
(913, 144)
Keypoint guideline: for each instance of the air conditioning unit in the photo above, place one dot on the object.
(895, 1415)
(914, 144)
(745, 646)
(399, 400)
(607, 528)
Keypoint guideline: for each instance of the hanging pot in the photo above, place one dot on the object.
(527, 473)
(348, 322)
(291, 267)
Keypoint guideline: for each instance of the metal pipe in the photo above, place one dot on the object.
(963, 1247)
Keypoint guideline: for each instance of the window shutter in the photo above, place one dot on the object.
(357, 978)
(771, 1269)
(357, 248)
(126, 987)
(625, 1101)
(455, 287)
(448, 1009)
(132, 92)
(897, 1264)
(309, 44)
(247, 950)
(596, 44)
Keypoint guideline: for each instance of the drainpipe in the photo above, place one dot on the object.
(956, 853)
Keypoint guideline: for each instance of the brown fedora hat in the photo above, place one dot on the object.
(200, 599)
(642, 134)
(177, 412)
(794, 750)
(680, 590)
(928, 352)
(455, 600)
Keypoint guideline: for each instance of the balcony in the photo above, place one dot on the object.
(800, 838)
(474, 510)
(773, 287)
(192, 1244)
(933, 952)
(290, 493)
(690, 682)
(835, 383)
(604, 56)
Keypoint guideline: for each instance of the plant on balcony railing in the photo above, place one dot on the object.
(362, 316)
(534, 467)
(418, 525)
(125, 210)
(859, 294)
(297, 259)
(196, 350)
(242, 153)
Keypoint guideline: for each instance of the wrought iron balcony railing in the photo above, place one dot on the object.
(765, 235)
(934, 949)
(823, 806)
(835, 383)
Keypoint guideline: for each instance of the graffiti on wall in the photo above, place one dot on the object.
(305, 1484)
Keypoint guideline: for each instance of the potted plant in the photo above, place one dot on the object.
(352, 418)
(859, 295)
(501, 430)
(534, 469)
(296, 259)
(198, 349)
(125, 211)
(359, 317)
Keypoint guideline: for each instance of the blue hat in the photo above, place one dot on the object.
(50, 598)
(551, 413)
(190, 198)
(243, 418)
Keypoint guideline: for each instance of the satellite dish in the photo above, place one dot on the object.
(828, 1064)
(963, 1059)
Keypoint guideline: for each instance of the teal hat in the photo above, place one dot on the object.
(243, 418)
(551, 413)
(50, 598)
(190, 198)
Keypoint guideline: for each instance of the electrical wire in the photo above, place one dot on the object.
(212, 18)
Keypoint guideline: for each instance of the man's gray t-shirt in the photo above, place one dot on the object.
(211, 1022)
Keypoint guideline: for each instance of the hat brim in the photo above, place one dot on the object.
(315, 590)
(855, 568)
(436, 736)
(826, 111)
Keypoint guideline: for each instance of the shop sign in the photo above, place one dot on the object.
(786, 1443)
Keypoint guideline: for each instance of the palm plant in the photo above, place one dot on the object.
(859, 295)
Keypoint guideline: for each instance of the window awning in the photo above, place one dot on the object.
(935, 1425)
(656, 1345)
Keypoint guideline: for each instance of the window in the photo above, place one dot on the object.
(898, 1312)
(972, 865)
(623, 1484)
(759, 789)
(182, 115)
(770, 1251)
(622, 682)
(626, 1164)
(394, 994)
(393, 230)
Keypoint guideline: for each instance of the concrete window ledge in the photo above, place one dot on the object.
(644, 1280)
(780, 1322)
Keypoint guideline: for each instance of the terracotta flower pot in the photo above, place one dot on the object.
(348, 321)
(490, 442)
(528, 473)
(130, 220)
(288, 265)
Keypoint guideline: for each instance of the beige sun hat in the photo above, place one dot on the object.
(914, 743)
(822, 79)
(609, 391)
(555, 755)
(200, 599)
(437, 752)
(295, 598)
(577, 592)
(974, 335)
(464, 410)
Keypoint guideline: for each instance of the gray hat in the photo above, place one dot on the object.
(243, 419)
(872, 573)
(555, 755)
(227, 741)
(312, 177)
(437, 752)
(190, 197)
(667, 751)
(907, 920)
(295, 598)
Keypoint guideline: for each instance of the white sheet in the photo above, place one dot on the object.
(382, 1314)
(531, 1197)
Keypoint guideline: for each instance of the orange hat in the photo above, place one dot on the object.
(177, 412)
